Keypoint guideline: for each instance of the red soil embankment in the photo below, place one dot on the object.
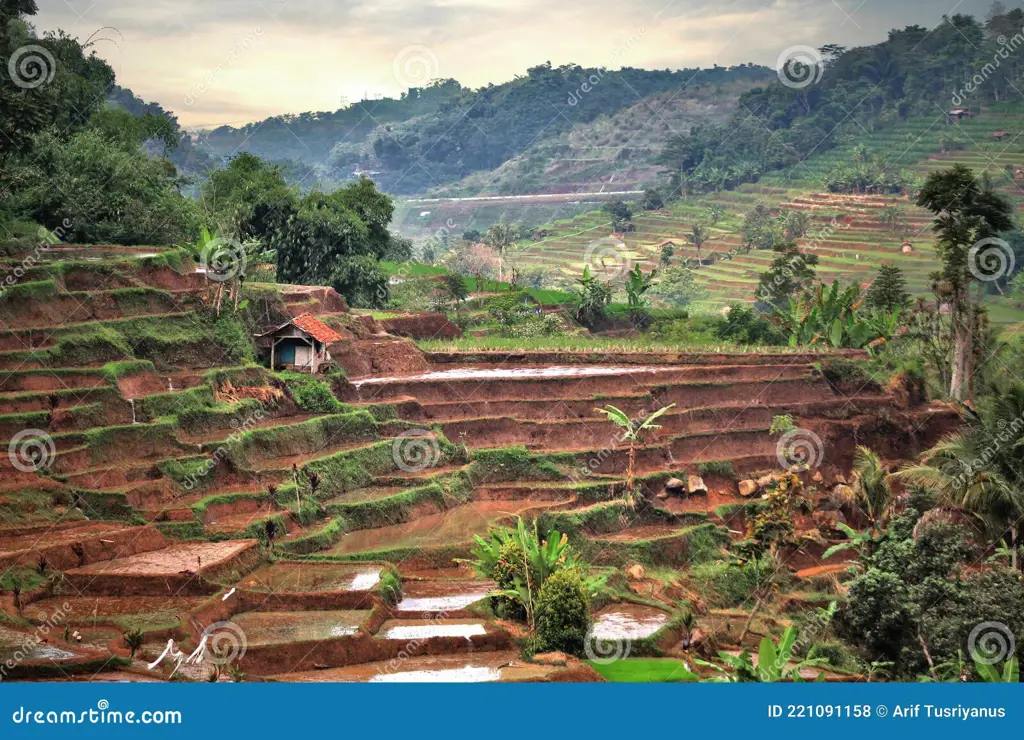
(422, 326)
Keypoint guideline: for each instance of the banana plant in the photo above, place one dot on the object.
(772, 665)
(990, 674)
(633, 431)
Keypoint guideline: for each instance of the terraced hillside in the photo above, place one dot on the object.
(846, 232)
(160, 485)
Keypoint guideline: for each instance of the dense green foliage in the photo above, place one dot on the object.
(915, 605)
(563, 612)
(845, 93)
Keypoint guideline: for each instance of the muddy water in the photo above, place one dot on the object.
(410, 629)
(628, 622)
(466, 674)
(21, 646)
(513, 373)
(276, 628)
(56, 254)
(449, 527)
(433, 597)
(312, 578)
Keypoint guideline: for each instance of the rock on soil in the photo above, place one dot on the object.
(674, 485)
(636, 572)
(747, 488)
(695, 485)
(555, 658)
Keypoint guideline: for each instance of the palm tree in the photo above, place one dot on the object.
(698, 237)
(976, 470)
(633, 431)
(871, 484)
(500, 237)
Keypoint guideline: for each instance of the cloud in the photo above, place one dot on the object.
(192, 55)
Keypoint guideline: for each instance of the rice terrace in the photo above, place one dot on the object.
(673, 372)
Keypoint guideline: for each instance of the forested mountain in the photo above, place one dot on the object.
(455, 131)
(184, 154)
(821, 99)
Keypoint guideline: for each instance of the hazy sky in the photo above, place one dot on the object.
(233, 61)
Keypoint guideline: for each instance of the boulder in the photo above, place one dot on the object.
(674, 485)
(767, 481)
(843, 494)
(695, 485)
(747, 488)
(636, 572)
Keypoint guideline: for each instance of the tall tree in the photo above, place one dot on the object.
(888, 291)
(699, 235)
(966, 212)
(501, 236)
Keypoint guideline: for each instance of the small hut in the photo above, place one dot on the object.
(955, 115)
(299, 345)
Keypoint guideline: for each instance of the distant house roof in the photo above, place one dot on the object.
(312, 326)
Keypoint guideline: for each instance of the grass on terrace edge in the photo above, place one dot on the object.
(591, 344)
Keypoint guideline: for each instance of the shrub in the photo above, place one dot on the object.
(390, 586)
(835, 653)
(512, 309)
(535, 326)
(746, 325)
(563, 612)
(311, 394)
(727, 585)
